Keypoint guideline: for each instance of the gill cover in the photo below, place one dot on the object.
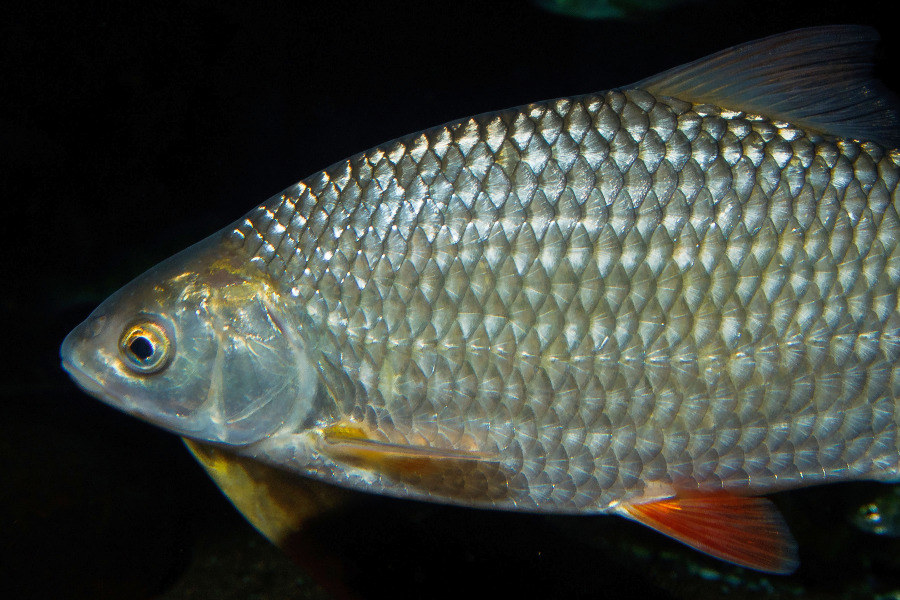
(200, 345)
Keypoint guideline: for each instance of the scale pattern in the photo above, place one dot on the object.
(610, 291)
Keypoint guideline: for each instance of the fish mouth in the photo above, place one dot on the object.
(75, 368)
(88, 384)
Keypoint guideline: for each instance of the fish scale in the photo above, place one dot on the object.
(617, 289)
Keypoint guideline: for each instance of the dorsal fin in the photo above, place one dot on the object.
(818, 78)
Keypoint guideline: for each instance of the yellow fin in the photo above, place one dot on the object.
(351, 441)
(459, 475)
(277, 503)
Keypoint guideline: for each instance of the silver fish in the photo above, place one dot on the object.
(660, 301)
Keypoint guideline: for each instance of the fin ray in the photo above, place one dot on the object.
(352, 439)
(465, 476)
(747, 531)
(819, 78)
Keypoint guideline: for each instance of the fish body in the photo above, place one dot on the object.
(635, 301)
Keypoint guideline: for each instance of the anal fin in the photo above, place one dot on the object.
(747, 531)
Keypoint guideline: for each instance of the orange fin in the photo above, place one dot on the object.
(352, 442)
(746, 531)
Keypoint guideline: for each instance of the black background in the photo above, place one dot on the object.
(130, 130)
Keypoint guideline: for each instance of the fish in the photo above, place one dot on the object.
(662, 301)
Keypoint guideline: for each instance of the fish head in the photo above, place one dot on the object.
(197, 345)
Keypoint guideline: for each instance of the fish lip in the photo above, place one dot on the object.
(69, 351)
(88, 384)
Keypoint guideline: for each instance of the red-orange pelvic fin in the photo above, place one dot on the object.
(351, 441)
(743, 530)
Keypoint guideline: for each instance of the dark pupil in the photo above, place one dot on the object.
(141, 348)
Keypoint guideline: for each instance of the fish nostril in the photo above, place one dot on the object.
(96, 325)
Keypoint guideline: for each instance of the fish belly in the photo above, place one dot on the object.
(614, 295)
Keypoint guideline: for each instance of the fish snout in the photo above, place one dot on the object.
(83, 334)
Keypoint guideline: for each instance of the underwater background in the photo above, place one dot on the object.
(130, 130)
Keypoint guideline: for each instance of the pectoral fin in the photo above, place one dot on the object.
(746, 531)
(464, 475)
(352, 442)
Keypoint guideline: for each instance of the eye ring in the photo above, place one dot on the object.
(145, 347)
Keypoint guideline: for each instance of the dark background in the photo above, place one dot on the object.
(130, 130)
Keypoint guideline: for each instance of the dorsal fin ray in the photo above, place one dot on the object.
(819, 78)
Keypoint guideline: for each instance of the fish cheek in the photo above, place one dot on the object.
(261, 377)
(181, 392)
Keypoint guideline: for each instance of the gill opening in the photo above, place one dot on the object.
(304, 370)
(216, 379)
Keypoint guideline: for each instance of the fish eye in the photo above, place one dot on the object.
(145, 347)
